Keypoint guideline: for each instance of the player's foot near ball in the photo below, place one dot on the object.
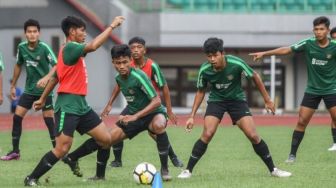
(96, 178)
(185, 174)
(177, 162)
(280, 173)
(165, 175)
(74, 166)
(12, 155)
(30, 182)
(332, 148)
(291, 159)
(116, 164)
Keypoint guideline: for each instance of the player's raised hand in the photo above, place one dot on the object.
(257, 56)
(38, 105)
(42, 82)
(270, 107)
(117, 21)
(106, 111)
(172, 117)
(189, 124)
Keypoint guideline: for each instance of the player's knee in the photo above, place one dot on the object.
(62, 150)
(207, 136)
(303, 122)
(105, 141)
(254, 138)
(159, 127)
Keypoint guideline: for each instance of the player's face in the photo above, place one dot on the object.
(32, 34)
(138, 50)
(321, 32)
(79, 34)
(333, 36)
(122, 65)
(216, 59)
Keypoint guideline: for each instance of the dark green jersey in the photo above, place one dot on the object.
(224, 84)
(71, 103)
(321, 66)
(137, 90)
(2, 66)
(37, 62)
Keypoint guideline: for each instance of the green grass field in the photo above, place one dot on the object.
(229, 161)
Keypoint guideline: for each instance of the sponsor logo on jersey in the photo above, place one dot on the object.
(230, 77)
(129, 98)
(319, 62)
(30, 63)
(38, 58)
(329, 56)
(131, 91)
(222, 86)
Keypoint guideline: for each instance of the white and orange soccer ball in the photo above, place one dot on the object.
(144, 173)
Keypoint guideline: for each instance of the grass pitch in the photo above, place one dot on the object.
(229, 161)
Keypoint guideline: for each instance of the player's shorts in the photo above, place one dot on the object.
(67, 123)
(135, 127)
(26, 101)
(313, 101)
(236, 109)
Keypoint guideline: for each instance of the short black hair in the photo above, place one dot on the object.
(332, 31)
(137, 40)
(213, 45)
(71, 22)
(120, 50)
(321, 20)
(31, 22)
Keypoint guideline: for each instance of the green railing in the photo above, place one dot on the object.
(249, 6)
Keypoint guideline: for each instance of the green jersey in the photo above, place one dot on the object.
(224, 84)
(137, 90)
(2, 66)
(321, 66)
(37, 62)
(71, 103)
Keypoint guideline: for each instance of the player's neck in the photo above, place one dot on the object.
(323, 43)
(32, 45)
(222, 67)
(139, 63)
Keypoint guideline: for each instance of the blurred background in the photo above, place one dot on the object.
(175, 31)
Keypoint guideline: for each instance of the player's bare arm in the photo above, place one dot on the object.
(108, 107)
(197, 102)
(279, 51)
(16, 75)
(39, 104)
(43, 81)
(101, 38)
(269, 105)
(155, 103)
(166, 96)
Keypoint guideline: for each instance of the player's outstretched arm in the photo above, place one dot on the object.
(101, 38)
(108, 107)
(43, 81)
(269, 105)
(166, 96)
(197, 102)
(279, 51)
(39, 104)
(16, 75)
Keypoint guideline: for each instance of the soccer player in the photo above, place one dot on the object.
(139, 60)
(144, 111)
(1, 69)
(320, 52)
(333, 126)
(72, 110)
(223, 73)
(36, 57)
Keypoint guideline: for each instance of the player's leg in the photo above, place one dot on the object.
(48, 116)
(65, 126)
(330, 103)
(308, 106)
(246, 124)
(333, 134)
(158, 127)
(25, 103)
(171, 154)
(117, 152)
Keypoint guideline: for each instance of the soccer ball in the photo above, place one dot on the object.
(144, 173)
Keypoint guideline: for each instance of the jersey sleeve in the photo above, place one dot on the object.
(158, 76)
(145, 85)
(52, 60)
(247, 70)
(2, 66)
(72, 52)
(19, 58)
(300, 46)
(201, 80)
